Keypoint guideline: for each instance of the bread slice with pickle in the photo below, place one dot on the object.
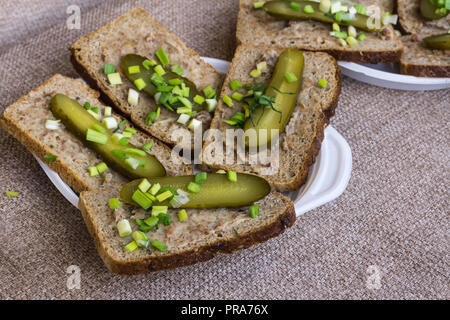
(137, 33)
(257, 28)
(26, 118)
(301, 140)
(205, 233)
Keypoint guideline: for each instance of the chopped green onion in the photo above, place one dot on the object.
(107, 111)
(139, 235)
(361, 9)
(141, 199)
(209, 92)
(235, 85)
(143, 243)
(132, 162)
(361, 37)
(133, 95)
(258, 4)
(155, 188)
(194, 124)
(165, 219)
(290, 77)
(159, 245)
(114, 78)
(211, 104)
(193, 187)
(227, 100)
(237, 96)
(308, 9)
(150, 196)
(12, 193)
(94, 114)
(182, 110)
(199, 99)
(87, 105)
(52, 124)
(98, 128)
(351, 41)
(156, 210)
(134, 69)
(183, 118)
(221, 171)
(134, 151)
(201, 177)
(101, 167)
(159, 70)
(342, 42)
(324, 6)
(114, 203)
(182, 215)
(144, 185)
(322, 83)
(177, 69)
(262, 66)
(185, 102)
(340, 35)
(147, 146)
(186, 92)
(254, 211)
(140, 84)
(175, 81)
(152, 221)
(164, 196)
(93, 171)
(109, 68)
(255, 73)
(351, 31)
(95, 136)
(147, 63)
(131, 130)
(50, 158)
(109, 123)
(232, 176)
(152, 116)
(157, 80)
(131, 246)
(336, 27)
(162, 56)
(294, 6)
(124, 228)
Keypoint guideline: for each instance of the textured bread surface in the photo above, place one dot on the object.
(257, 28)
(136, 32)
(301, 140)
(417, 60)
(411, 21)
(25, 120)
(203, 235)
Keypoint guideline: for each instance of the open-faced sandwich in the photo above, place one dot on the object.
(426, 24)
(358, 31)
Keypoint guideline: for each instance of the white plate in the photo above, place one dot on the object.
(388, 76)
(327, 178)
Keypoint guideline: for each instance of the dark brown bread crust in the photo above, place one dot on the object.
(425, 71)
(202, 254)
(371, 57)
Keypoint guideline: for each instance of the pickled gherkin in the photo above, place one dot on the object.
(433, 9)
(438, 42)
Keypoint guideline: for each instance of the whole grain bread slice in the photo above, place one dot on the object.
(419, 61)
(411, 21)
(25, 120)
(257, 28)
(301, 140)
(203, 235)
(136, 32)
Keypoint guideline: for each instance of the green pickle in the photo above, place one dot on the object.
(285, 93)
(282, 10)
(431, 11)
(216, 192)
(439, 42)
(77, 120)
(130, 60)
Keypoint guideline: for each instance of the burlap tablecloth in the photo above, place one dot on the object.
(393, 217)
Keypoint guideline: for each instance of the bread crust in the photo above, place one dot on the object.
(190, 257)
(425, 71)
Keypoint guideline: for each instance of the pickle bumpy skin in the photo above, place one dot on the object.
(282, 10)
(439, 42)
(131, 60)
(285, 94)
(77, 120)
(216, 191)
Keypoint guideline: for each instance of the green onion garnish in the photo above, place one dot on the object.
(193, 187)
(114, 78)
(308, 9)
(93, 171)
(237, 96)
(147, 146)
(124, 228)
(162, 56)
(101, 167)
(12, 193)
(322, 83)
(361, 37)
(131, 246)
(134, 69)
(156, 210)
(235, 85)
(140, 84)
(95, 136)
(227, 100)
(185, 102)
(165, 219)
(175, 81)
(199, 99)
(295, 6)
(177, 69)
(155, 188)
(151, 221)
(159, 245)
(164, 196)
(258, 4)
(152, 116)
(50, 158)
(182, 215)
(254, 211)
(232, 176)
(87, 105)
(159, 70)
(144, 185)
(98, 128)
(201, 177)
(139, 235)
(209, 92)
(135, 151)
(290, 77)
(114, 203)
(141, 199)
(147, 63)
(109, 68)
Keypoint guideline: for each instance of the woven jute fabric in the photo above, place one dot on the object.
(386, 237)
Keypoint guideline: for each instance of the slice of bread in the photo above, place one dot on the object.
(302, 138)
(419, 61)
(203, 235)
(25, 120)
(255, 27)
(136, 32)
(411, 20)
